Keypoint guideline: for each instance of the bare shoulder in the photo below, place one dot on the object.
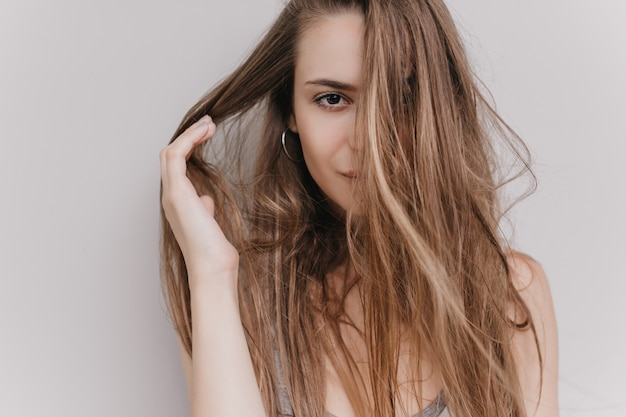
(527, 274)
(536, 352)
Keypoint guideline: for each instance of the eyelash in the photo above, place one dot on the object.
(318, 100)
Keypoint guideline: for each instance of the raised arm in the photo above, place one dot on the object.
(220, 375)
(539, 386)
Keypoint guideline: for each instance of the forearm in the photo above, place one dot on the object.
(223, 382)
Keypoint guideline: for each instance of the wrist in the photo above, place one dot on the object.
(206, 283)
(212, 306)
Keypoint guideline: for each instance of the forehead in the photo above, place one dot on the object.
(332, 47)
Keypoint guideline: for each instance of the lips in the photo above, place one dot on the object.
(349, 174)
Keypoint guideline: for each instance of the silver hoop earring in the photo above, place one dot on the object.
(282, 141)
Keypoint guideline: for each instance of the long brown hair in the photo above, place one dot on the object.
(430, 259)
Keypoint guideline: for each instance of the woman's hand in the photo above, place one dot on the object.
(208, 254)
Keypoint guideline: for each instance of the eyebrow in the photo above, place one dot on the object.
(333, 84)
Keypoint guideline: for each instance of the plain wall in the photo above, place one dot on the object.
(91, 91)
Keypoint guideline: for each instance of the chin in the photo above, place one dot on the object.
(341, 204)
(349, 207)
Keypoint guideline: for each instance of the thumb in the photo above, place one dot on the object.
(209, 204)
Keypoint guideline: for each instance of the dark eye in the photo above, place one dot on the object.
(332, 101)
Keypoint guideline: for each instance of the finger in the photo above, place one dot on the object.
(174, 157)
(205, 123)
(191, 137)
(209, 204)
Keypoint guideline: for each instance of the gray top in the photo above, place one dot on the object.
(436, 409)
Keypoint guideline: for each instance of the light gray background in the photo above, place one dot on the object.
(91, 91)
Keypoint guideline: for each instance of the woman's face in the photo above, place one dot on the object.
(326, 89)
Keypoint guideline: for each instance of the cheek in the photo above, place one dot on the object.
(318, 143)
(321, 136)
(320, 151)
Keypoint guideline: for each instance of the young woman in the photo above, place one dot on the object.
(337, 250)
